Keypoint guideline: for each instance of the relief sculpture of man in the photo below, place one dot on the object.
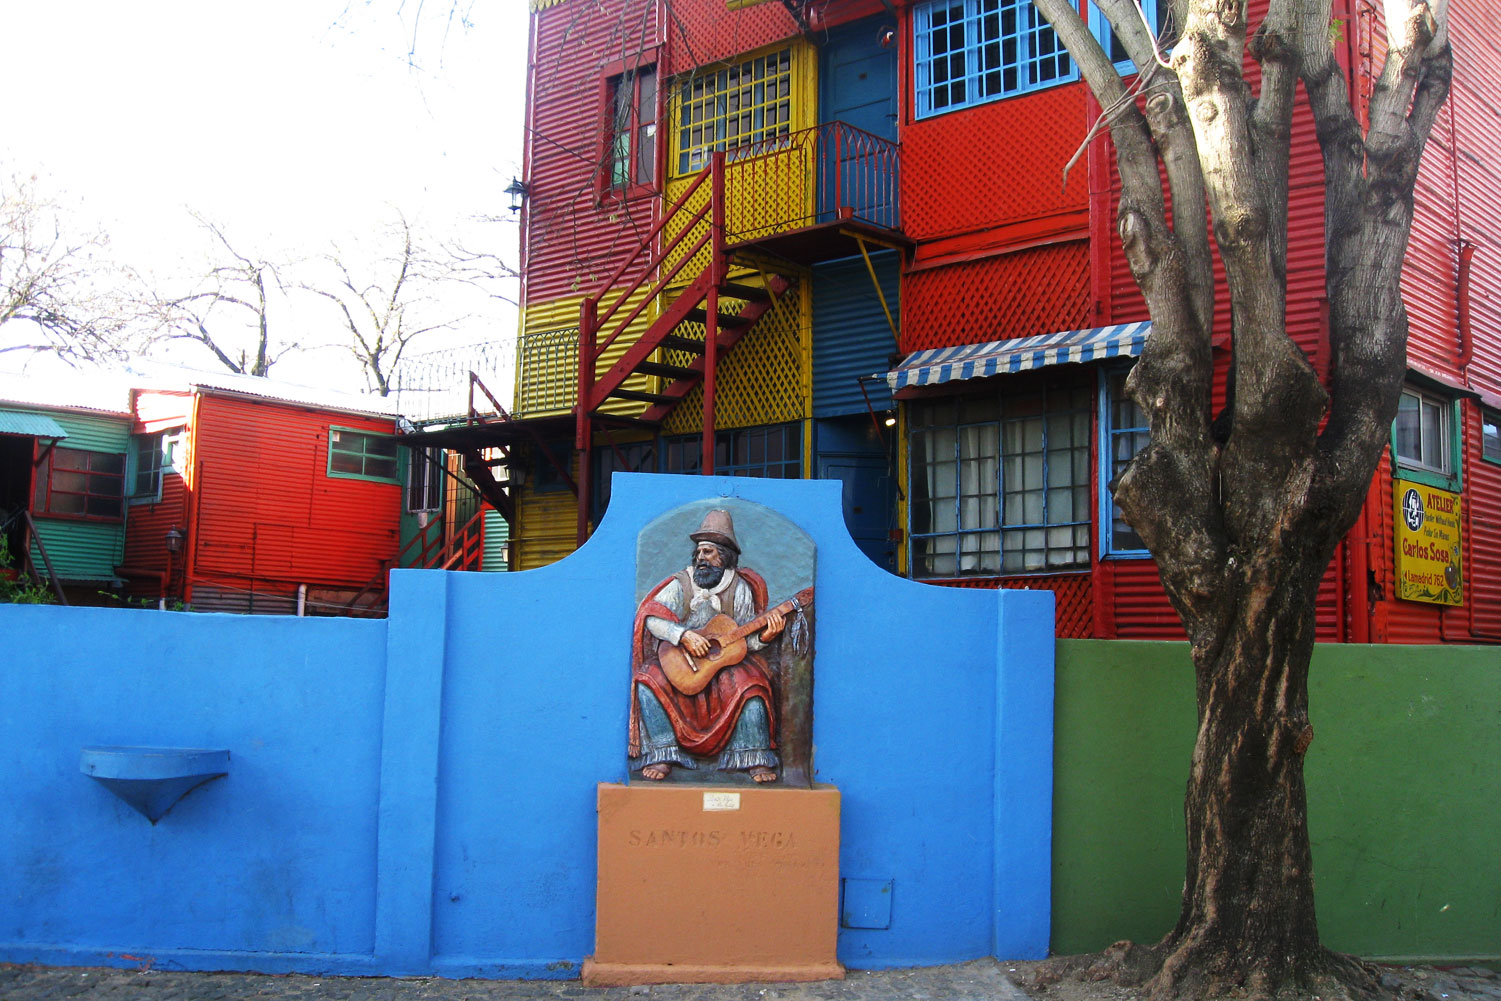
(701, 687)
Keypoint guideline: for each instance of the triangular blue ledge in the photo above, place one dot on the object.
(152, 779)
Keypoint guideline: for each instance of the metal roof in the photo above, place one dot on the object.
(31, 425)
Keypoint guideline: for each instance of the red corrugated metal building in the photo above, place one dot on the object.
(263, 499)
(996, 238)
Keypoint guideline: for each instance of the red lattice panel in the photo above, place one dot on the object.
(1074, 608)
(1036, 291)
(994, 165)
(701, 32)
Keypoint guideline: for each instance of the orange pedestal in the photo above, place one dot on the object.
(708, 884)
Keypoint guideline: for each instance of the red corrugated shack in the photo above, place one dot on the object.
(247, 495)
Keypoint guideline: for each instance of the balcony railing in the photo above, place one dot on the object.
(855, 175)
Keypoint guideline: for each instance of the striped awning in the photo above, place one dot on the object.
(31, 425)
(976, 361)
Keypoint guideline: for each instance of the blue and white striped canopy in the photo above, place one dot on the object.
(976, 361)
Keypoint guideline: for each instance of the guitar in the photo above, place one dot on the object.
(691, 675)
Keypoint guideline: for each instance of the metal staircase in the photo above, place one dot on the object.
(670, 351)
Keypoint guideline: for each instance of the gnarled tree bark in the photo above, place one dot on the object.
(1243, 511)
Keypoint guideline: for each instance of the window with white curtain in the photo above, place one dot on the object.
(1000, 483)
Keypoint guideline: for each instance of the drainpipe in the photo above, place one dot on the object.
(1466, 341)
(1358, 588)
(301, 600)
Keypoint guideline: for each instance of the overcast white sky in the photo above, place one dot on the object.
(292, 123)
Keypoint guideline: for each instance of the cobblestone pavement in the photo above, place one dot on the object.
(982, 980)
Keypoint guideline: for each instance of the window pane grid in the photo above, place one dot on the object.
(732, 108)
(76, 483)
(1421, 433)
(1006, 495)
(972, 51)
(355, 453)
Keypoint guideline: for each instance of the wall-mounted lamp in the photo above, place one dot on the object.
(886, 36)
(517, 190)
(890, 419)
(175, 539)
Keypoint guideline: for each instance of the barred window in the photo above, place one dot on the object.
(725, 109)
(1000, 483)
(73, 483)
(972, 51)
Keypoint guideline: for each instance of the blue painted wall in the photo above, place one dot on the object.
(417, 795)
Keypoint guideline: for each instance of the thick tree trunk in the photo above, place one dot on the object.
(1248, 911)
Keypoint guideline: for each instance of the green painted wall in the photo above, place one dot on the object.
(1404, 796)
(83, 550)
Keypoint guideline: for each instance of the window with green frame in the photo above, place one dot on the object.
(362, 455)
(725, 109)
(1490, 435)
(1423, 439)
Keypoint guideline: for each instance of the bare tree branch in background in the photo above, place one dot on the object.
(383, 315)
(59, 293)
(235, 289)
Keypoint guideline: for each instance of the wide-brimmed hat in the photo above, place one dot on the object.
(718, 528)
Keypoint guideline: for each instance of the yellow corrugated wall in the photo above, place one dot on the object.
(548, 524)
(547, 356)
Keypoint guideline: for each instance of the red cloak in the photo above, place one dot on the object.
(704, 722)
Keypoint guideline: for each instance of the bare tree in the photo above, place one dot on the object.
(59, 293)
(384, 314)
(228, 308)
(1243, 512)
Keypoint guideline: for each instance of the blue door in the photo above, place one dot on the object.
(857, 77)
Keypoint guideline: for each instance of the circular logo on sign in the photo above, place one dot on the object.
(1412, 509)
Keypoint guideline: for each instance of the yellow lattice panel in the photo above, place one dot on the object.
(547, 357)
(547, 526)
(764, 378)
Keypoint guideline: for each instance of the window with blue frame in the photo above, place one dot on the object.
(1124, 433)
(772, 452)
(1156, 18)
(971, 51)
(1000, 483)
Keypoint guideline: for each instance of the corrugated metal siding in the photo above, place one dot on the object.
(1475, 102)
(1072, 594)
(547, 528)
(497, 532)
(1483, 553)
(1394, 621)
(1142, 611)
(80, 550)
(158, 411)
(91, 433)
(547, 356)
(704, 31)
(851, 337)
(268, 509)
(573, 240)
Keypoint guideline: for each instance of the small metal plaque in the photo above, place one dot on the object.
(718, 801)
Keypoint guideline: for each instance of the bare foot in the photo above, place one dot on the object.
(656, 772)
(762, 774)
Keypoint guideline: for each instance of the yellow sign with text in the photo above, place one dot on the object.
(1428, 544)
